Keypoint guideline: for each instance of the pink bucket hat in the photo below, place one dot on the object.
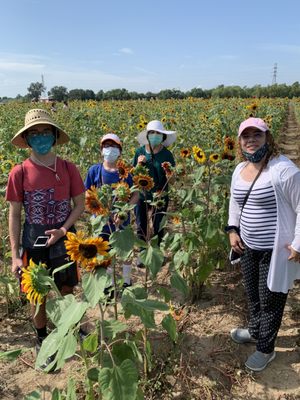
(253, 123)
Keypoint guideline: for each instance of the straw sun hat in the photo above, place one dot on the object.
(156, 126)
(38, 117)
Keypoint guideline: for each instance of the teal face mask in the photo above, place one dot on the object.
(41, 144)
(155, 139)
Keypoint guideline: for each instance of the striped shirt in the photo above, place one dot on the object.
(259, 217)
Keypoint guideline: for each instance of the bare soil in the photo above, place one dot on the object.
(205, 363)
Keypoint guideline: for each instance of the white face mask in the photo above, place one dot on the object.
(111, 154)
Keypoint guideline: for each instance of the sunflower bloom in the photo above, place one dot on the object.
(229, 143)
(85, 250)
(122, 191)
(101, 264)
(227, 156)
(199, 154)
(185, 153)
(93, 204)
(143, 182)
(214, 157)
(123, 169)
(167, 167)
(31, 282)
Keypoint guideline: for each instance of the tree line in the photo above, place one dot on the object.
(61, 93)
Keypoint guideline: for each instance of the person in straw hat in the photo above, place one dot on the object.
(45, 185)
(152, 154)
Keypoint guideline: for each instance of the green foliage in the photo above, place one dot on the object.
(119, 382)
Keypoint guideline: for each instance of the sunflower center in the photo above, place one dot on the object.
(121, 171)
(143, 182)
(88, 250)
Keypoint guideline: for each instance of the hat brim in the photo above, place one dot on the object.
(19, 141)
(171, 137)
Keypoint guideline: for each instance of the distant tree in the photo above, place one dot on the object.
(35, 90)
(90, 95)
(58, 93)
(100, 95)
(77, 94)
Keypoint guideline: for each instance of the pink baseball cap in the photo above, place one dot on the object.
(253, 123)
(113, 137)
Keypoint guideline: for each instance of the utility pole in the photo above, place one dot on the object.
(44, 87)
(274, 80)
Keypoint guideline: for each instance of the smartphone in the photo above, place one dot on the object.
(41, 241)
(234, 257)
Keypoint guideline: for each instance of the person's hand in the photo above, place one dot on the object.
(294, 255)
(142, 159)
(236, 242)
(17, 264)
(117, 221)
(55, 235)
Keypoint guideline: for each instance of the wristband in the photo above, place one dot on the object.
(231, 228)
(62, 228)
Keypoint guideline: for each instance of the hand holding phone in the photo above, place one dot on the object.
(41, 241)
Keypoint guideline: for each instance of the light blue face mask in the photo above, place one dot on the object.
(111, 154)
(155, 139)
(41, 144)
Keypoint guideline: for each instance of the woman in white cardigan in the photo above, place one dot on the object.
(265, 231)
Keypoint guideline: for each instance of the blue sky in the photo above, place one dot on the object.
(147, 45)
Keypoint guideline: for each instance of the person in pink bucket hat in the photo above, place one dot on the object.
(264, 230)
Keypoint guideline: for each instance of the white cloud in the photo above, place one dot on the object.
(19, 66)
(145, 71)
(284, 48)
(126, 50)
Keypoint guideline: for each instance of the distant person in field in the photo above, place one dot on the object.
(264, 228)
(51, 192)
(65, 105)
(107, 173)
(152, 153)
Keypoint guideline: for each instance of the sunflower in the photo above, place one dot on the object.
(123, 169)
(214, 157)
(143, 182)
(167, 167)
(199, 154)
(93, 204)
(121, 191)
(85, 250)
(101, 264)
(252, 106)
(176, 220)
(227, 156)
(185, 153)
(31, 282)
(229, 143)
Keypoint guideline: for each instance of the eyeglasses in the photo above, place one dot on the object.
(254, 136)
(35, 132)
(110, 144)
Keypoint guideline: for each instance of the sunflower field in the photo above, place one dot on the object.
(116, 358)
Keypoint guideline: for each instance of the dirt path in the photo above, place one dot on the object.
(290, 139)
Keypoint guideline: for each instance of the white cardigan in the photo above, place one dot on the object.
(285, 179)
